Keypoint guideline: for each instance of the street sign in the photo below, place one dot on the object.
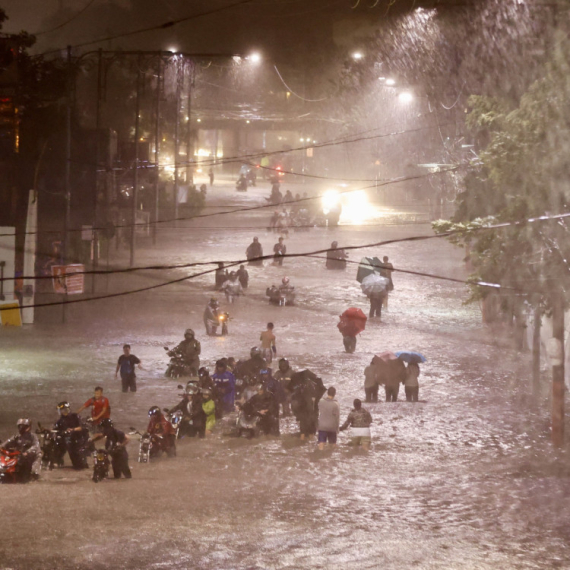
(64, 280)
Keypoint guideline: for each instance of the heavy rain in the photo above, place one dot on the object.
(283, 284)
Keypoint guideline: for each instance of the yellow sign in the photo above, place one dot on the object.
(10, 314)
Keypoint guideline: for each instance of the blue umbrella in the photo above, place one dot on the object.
(411, 357)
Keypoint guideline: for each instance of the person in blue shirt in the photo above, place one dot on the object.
(225, 383)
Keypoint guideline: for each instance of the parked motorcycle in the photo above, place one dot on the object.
(101, 463)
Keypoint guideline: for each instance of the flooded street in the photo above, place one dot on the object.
(466, 479)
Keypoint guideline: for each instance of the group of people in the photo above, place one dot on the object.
(391, 375)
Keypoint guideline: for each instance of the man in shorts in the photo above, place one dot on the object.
(126, 364)
(329, 419)
(268, 347)
(359, 420)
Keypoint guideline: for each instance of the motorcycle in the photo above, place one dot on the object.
(9, 466)
(177, 366)
(151, 445)
(222, 320)
(101, 465)
(247, 422)
(175, 418)
(281, 297)
(52, 443)
(241, 184)
(251, 177)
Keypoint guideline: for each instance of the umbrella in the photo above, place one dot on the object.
(368, 266)
(374, 284)
(352, 322)
(384, 357)
(411, 357)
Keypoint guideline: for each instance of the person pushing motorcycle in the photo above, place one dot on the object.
(115, 443)
(159, 426)
(76, 435)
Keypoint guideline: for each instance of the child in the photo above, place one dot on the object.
(268, 348)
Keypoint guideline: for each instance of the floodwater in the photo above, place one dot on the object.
(464, 480)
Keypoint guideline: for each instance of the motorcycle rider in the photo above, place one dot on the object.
(283, 376)
(232, 288)
(265, 405)
(336, 258)
(254, 252)
(194, 419)
(190, 350)
(211, 316)
(254, 364)
(27, 443)
(70, 424)
(116, 444)
(225, 383)
(241, 183)
(275, 197)
(158, 425)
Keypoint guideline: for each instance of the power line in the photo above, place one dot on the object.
(163, 26)
(76, 15)
(237, 210)
(316, 253)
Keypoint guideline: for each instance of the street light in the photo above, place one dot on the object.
(406, 97)
(390, 81)
(254, 57)
(357, 55)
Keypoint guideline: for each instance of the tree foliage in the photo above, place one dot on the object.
(523, 171)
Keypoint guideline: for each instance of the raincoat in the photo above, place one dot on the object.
(209, 408)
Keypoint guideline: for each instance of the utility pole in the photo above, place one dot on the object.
(67, 222)
(95, 234)
(136, 173)
(536, 350)
(189, 145)
(558, 369)
(177, 137)
(156, 149)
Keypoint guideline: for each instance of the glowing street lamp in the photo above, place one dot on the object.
(390, 81)
(406, 97)
(254, 57)
(357, 55)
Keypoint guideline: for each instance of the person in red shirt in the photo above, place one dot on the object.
(100, 408)
(159, 425)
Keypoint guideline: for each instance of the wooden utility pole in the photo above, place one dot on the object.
(136, 173)
(536, 351)
(67, 223)
(179, 79)
(557, 357)
(156, 149)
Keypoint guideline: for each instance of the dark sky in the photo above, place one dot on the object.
(277, 26)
